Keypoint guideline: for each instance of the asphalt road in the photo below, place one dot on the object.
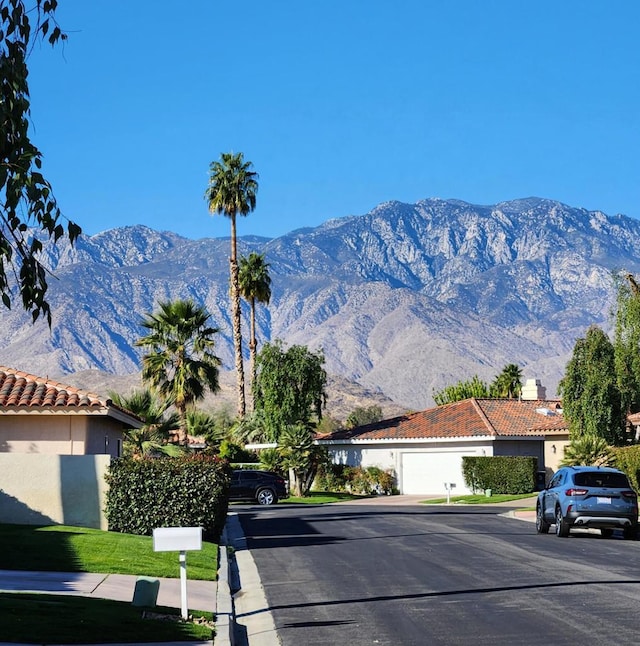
(422, 575)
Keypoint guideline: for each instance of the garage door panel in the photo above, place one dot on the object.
(425, 472)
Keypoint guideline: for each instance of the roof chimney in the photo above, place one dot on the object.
(533, 390)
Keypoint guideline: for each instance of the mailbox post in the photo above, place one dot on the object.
(449, 486)
(179, 539)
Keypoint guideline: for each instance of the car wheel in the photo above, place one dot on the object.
(606, 532)
(542, 526)
(630, 533)
(562, 527)
(266, 497)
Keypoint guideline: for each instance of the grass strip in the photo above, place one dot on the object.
(62, 548)
(479, 499)
(63, 619)
(321, 498)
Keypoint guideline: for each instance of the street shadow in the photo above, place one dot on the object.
(441, 594)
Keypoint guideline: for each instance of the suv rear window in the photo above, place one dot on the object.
(592, 479)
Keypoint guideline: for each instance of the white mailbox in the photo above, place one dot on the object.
(177, 539)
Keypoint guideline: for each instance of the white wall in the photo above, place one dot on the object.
(38, 489)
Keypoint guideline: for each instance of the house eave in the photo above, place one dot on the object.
(411, 440)
(94, 411)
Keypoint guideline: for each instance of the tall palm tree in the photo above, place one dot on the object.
(255, 285)
(154, 436)
(180, 364)
(231, 192)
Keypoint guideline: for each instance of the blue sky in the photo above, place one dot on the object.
(339, 104)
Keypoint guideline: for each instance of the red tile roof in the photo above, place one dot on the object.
(465, 419)
(22, 390)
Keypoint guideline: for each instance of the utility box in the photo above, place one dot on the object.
(146, 592)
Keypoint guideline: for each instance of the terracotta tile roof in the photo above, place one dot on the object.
(468, 418)
(22, 390)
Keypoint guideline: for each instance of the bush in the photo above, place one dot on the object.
(627, 459)
(236, 453)
(331, 477)
(501, 474)
(190, 491)
(358, 480)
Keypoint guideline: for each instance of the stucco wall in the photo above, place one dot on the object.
(40, 489)
(61, 434)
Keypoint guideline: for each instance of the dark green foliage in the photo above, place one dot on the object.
(235, 453)
(627, 342)
(26, 197)
(501, 474)
(364, 415)
(508, 383)
(627, 459)
(590, 396)
(168, 492)
(290, 387)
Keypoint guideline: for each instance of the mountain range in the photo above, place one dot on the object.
(402, 300)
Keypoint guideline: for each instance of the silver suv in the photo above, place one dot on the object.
(590, 497)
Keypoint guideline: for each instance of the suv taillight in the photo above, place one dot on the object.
(629, 494)
(576, 492)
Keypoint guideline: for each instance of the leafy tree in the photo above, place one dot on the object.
(180, 364)
(154, 437)
(475, 387)
(231, 192)
(590, 397)
(627, 342)
(255, 285)
(364, 415)
(301, 456)
(26, 197)
(588, 450)
(290, 387)
(508, 383)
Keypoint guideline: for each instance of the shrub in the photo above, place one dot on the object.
(331, 477)
(627, 459)
(191, 491)
(501, 474)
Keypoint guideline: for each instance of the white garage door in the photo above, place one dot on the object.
(426, 473)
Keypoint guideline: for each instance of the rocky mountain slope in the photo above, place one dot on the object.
(402, 300)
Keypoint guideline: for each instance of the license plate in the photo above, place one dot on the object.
(602, 500)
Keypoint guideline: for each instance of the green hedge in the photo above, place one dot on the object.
(627, 459)
(501, 474)
(190, 491)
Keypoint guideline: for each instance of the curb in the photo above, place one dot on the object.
(224, 608)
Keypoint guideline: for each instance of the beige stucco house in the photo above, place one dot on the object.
(56, 444)
(39, 415)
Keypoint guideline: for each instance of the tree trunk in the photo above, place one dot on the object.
(252, 351)
(237, 330)
(183, 440)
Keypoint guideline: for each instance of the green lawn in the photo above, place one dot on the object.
(66, 619)
(62, 548)
(58, 619)
(322, 497)
(479, 499)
